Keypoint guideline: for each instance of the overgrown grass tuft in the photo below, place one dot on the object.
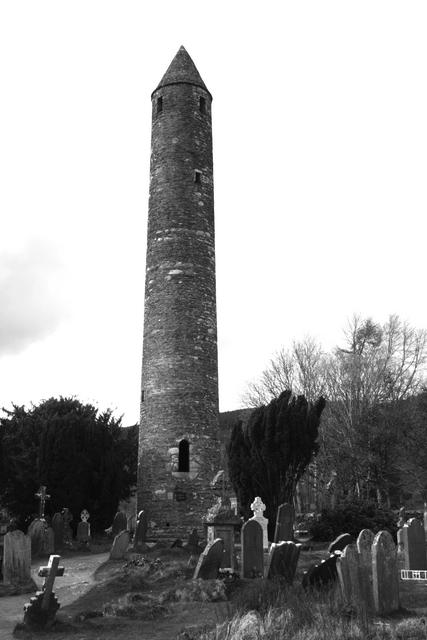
(271, 611)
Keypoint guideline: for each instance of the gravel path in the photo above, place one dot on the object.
(77, 578)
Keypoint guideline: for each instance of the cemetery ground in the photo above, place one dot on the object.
(151, 596)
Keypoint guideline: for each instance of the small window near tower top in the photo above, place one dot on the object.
(184, 456)
(159, 105)
(142, 395)
(202, 104)
(197, 176)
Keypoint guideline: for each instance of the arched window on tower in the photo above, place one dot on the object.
(184, 456)
(202, 104)
(159, 105)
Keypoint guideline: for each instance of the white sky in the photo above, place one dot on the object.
(320, 159)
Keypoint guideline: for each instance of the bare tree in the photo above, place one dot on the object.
(378, 367)
(299, 369)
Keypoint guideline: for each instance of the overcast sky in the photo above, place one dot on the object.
(320, 161)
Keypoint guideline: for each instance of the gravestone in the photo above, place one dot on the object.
(323, 574)
(131, 523)
(42, 495)
(120, 545)
(193, 542)
(139, 539)
(364, 543)
(412, 545)
(210, 561)
(401, 520)
(226, 533)
(252, 551)
(284, 523)
(58, 531)
(16, 558)
(340, 543)
(68, 532)
(120, 523)
(83, 528)
(36, 531)
(282, 560)
(40, 612)
(258, 508)
(384, 574)
(348, 574)
(48, 542)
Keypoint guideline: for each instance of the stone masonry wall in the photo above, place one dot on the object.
(180, 370)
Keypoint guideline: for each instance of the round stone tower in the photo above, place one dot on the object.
(178, 446)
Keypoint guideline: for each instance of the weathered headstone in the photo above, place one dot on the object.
(210, 561)
(323, 574)
(348, 574)
(282, 560)
(139, 539)
(16, 558)
(131, 523)
(364, 543)
(68, 532)
(36, 531)
(258, 508)
(384, 574)
(284, 523)
(49, 541)
(252, 551)
(226, 533)
(120, 545)
(40, 612)
(340, 543)
(401, 520)
(83, 528)
(58, 531)
(193, 542)
(411, 541)
(120, 523)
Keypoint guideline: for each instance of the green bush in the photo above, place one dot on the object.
(351, 518)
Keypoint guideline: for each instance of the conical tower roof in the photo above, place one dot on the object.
(182, 70)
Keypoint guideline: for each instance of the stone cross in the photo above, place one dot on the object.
(85, 515)
(42, 496)
(258, 508)
(49, 573)
(83, 528)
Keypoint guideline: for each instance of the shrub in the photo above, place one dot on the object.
(352, 517)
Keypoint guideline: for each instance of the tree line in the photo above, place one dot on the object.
(84, 456)
(373, 436)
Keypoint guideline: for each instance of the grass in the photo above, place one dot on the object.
(270, 611)
(154, 597)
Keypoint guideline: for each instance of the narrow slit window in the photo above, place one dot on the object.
(197, 176)
(159, 105)
(184, 456)
(202, 104)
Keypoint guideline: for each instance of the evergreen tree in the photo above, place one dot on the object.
(268, 456)
(83, 457)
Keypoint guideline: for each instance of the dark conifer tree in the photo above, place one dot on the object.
(85, 458)
(269, 455)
